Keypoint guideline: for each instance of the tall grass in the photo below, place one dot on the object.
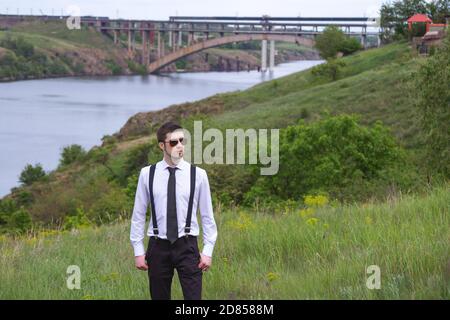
(320, 254)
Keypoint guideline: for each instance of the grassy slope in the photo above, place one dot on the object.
(258, 256)
(372, 85)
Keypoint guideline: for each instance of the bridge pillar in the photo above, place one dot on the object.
(263, 55)
(159, 45)
(170, 36)
(129, 42)
(145, 51)
(378, 41)
(180, 39)
(190, 38)
(272, 55)
(163, 45)
(364, 41)
(174, 40)
(115, 36)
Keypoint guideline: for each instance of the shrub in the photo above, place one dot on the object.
(330, 70)
(19, 221)
(136, 158)
(136, 67)
(78, 221)
(31, 174)
(71, 153)
(328, 156)
(333, 40)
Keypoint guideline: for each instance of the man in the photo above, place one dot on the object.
(173, 235)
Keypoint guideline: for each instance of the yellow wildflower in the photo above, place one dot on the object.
(312, 221)
(316, 201)
(272, 276)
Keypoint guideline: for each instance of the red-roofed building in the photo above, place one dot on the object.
(420, 18)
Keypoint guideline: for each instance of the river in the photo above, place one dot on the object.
(40, 117)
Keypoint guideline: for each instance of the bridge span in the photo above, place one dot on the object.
(185, 35)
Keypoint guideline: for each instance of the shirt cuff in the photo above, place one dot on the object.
(139, 249)
(208, 250)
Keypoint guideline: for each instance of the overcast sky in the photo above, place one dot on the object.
(162, 9)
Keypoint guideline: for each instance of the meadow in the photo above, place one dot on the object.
(320, 250)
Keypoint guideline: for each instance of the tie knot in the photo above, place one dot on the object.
(172, 170)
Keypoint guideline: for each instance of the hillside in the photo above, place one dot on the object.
(320, 253)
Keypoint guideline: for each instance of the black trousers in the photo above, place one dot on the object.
(163, 257)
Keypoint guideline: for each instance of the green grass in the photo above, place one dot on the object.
(258, 255)
(57, 30)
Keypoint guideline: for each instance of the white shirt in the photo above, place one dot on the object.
(202, 201)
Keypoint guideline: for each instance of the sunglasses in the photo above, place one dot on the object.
(173, 143)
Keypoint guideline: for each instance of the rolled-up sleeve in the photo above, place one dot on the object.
(141, 201)
(207, 216)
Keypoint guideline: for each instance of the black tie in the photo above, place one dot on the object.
(172, 223)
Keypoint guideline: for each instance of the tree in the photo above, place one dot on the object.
(333, 40)
(32, 174)
(71, 154)
(432, 92)
(331, 69)
(438, 10)
(330, 42)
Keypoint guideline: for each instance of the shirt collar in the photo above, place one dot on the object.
(181, 164)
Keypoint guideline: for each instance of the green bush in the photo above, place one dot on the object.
(19, 221)
(329, 156)
(136, 67)
(31, 174)
(136, 158)
(13, 219)
(333, 40)
(78, 221)
(331, 69)
(72, 153)
(350, 45)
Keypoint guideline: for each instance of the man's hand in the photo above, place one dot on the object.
(140, 262)
(205, 262)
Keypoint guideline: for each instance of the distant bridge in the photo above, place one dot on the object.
(189, 34)
(185, 35)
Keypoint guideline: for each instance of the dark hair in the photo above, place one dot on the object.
(166, 128)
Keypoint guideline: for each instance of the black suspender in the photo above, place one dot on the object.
(152, 199)
(187, 228)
